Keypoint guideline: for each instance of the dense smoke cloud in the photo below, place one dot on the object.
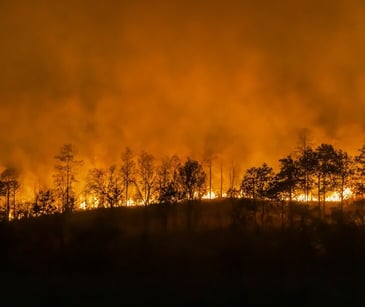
(237, 78)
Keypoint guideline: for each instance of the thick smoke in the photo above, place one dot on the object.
(239, 79)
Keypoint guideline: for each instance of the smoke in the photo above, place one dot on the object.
(239, 79)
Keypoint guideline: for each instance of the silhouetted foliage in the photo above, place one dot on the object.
(44, 203)
(359, 185)
(106, 186)
(168, 185)
(288, 179)
(257, 182)
(192, 179)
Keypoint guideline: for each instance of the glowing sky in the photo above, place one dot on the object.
(240, 78)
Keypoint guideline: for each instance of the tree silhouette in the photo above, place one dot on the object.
(44, 203)
(288, 177)
(192, 179)
(257, 182)
(360, 172)
(326, 169)
(147, 177)
(308, 164)
(64, 178)
(9, 179)
(128, 171)
(344, 168)
(106, 186)
(168, 185)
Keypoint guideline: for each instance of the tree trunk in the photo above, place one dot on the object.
(324, 197)
(342, 190)
(319, 193)
(8, 204)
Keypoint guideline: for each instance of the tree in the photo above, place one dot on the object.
(248, 185)
(326, 170)
(344, 171)
(64, 178)
(288, 177)
(307, 163)
(128, 171)
(257, 182)
(360, 172)
(168, 185)
(192, 179)
(147, 177)
(9, 183)
(106, 186)
(209, 157)
(44, 203)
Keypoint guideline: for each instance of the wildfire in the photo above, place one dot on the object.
(331, 197)
(209, 195)
(131, 202)
(88, 203)
(83, 205)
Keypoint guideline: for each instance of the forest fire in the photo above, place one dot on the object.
(134, 90)
(331, 197)
(153, 147)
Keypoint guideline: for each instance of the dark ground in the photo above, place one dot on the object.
(99, 259)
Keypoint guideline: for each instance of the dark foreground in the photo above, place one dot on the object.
(91, 259)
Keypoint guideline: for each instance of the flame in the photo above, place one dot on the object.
(88, 203)
(83, 205)
(209, 195)
(131, 202)
(331, 197)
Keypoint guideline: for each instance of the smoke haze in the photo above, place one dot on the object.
(237, 78)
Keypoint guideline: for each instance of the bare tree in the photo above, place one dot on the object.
(308, 164)
(325, 170)
(168, 185)
(128, 171)
(64, 178)
(106, 186)
(147, 177)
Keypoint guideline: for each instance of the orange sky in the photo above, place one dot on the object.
(239, 78)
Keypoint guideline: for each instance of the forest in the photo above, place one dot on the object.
(313, 176)
(155, 227)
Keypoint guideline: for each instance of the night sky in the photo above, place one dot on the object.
(240, 79)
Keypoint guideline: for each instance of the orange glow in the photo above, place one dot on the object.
(235, 79)
(330, 197)
(83, 205)
(209, 195)
(131, 203)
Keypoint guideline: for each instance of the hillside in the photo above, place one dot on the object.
(214, 252)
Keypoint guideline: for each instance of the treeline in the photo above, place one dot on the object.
(311, 174)
(137, 180)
